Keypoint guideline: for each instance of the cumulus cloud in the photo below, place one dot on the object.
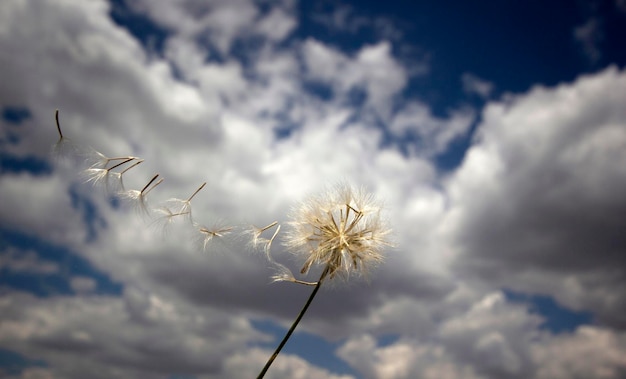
(147, 326)
(475, 85)
(491, 339)
(589, 35)
(434, 135)
(345, 19)
(26, 262)
(538, 199)
(373, 70)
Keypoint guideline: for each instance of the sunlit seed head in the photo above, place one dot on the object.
(341, 230)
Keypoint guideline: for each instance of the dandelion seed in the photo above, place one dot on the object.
(167, 217)
(139, 197)
(97, 175)
(209, 235)
(184, 206)
(282, 272)
(256, 232)
(96, 159)
(63, 145)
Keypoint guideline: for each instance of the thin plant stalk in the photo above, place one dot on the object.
(295, 324)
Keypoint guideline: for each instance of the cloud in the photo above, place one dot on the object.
(344, 18)
(82, 284)
(589, 35)
(491, 339)
(26, 262)
(372, 70)
(589, 353)
(474, 85)
(434, 135)
(55, 329)
(537, 201)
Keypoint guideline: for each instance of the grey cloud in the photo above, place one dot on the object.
(541, 191)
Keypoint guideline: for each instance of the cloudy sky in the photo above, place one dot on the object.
(494, 135)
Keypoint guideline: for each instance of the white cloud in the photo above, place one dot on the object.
(277, 25)
(591, 352)
(490, 340)
(37, 203)
(373, 69)
(435, 134)
(346, 19)
(475, 85)
(82, 284)
(222, 22)
(589, 35)
(18, 261)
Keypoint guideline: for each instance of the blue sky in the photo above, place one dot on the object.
(494, 134)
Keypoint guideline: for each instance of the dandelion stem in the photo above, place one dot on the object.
(295, 323)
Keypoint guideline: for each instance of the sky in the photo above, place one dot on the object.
(493, 133)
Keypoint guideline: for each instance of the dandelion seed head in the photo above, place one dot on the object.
(341, 230)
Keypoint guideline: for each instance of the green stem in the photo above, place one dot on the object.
(293, 327)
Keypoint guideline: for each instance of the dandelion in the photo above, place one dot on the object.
(342, 231)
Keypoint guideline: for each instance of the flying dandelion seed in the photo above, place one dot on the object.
(97, 175)
(63, 146)
(139, 197)
(96, 159)
(180, 207)
(210, 234)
